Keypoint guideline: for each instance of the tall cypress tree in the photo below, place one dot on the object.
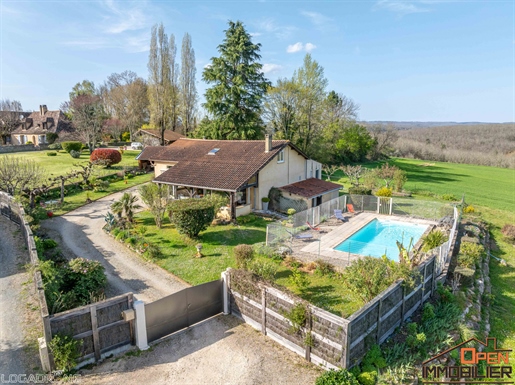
(238, 86)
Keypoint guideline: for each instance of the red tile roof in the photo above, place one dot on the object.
(310, 188)
(235, 162)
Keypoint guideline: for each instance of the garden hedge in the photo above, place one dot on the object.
(108, 155)
(191, 216)
(69, 146)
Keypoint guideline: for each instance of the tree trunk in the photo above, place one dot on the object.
(62, 191)
(233, 206)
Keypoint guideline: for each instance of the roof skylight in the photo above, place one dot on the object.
(213, 151)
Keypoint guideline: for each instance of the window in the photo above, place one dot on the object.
(280, 157)
(317, 174)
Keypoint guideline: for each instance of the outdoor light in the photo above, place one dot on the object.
(199, 249)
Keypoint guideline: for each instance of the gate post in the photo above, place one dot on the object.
(225, 291)
(141, 325)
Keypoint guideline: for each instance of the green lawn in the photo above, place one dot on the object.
(63, 162)
(218, 244)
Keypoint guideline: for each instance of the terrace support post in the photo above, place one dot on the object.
(141, 325)
(391, 205)
(344, 203)
(44, 355)
(309, 322)
(233, 206)
(403, 307)
(378, 204)
(433, 278)
(347, 348)
(379, 309)
(263, 310)
(225, 292)
(94, 328)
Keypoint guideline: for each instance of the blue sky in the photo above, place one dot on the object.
(423, 60)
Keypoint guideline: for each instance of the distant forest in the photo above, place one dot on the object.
(482, 144)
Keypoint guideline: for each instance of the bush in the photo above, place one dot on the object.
(428, 313)
(384, 192)
(153, 252)
(267, 251)
(126, 136)
(469, 210)
(49, 244)
(298, 279)
(291, 212)
(51, 137)
(263, 269)
(29, 142)
(323, 267)
(191, 216)
(374, 358)
(51, 153)
(106, 156)
(434, 239)
(265, 199)
(244, 254)
(100, 185)
(65, 350)
(336, 377)
(367, 378)
(55, 146)
(69, 146)
(87, 277)
(449, 197)
(470, 254)
(508, 231)
(75, 154)
(399, 179)
(360, 191)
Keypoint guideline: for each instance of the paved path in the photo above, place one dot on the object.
(14, 357)
(80, 234)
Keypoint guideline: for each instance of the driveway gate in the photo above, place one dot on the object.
(182, 309)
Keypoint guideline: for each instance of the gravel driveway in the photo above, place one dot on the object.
(221, 350)
(14, 355)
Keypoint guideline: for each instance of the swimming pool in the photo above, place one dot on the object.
(379, 237)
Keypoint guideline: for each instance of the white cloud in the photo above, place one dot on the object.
(280, 31)
(271, 68)
(129, 17)
(309, 47)
(297, 47)
(321, 22)
(255, 34)
(400, 7)
(208, 65)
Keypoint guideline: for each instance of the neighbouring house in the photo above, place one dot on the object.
(245, 169)
(9, 120)
(38, 124)
(151, 137)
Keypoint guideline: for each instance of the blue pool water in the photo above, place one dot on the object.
(378, 238)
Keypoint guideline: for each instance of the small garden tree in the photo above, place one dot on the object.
(191, 216)
(69, 146)
(107, 156)
(126, 206)
(156, 197)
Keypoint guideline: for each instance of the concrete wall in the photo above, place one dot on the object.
(21, 148)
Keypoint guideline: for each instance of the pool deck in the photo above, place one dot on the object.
(328, 241)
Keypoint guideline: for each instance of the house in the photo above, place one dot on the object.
(34, 127)
(153, 137)
(245, 169)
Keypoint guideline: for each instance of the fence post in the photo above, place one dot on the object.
(391, 205)
(263, 310)
(141, 325)
(308, 328)
(225, 291)
(347, 348)
(94, 328)
(266, 239)
(403, 303)
(433, 279)
(379, 308)
(378, 204)
(344, 203)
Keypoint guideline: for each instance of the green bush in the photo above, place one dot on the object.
(469, 209)
(384, 192)
(153, 252)
(263, 269)
(243, 220)
(244, 254)
(55, 146)
(428, 313)
(66, 351)
(87, 278)
(267, 251)
(445, 294)
(75, 154)
(99, 185)
(29, 142)
(126, 136)
(49, 244)
(51, 153)
(69, 146)
(51, 137)
(323, 267)
(367, 378)
(191, 216)
(449, 197)
(265, 199)
(297, 317)
(470, 254)
(374, 358)
(360, 191)
(336, 377)
(291, 212)
(298, 279)
(434, 239)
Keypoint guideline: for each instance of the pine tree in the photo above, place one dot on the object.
(234, 101)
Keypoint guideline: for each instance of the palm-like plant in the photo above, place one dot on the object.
(126, 206)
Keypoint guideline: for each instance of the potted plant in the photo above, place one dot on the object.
(264, 203)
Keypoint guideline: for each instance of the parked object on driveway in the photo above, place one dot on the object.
(136, 146)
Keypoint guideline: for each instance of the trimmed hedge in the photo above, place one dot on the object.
(360, 191)
(191, 216)
(108, 155)
(69, 146)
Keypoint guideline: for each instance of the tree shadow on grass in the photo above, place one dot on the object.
(233, 237)
(323, 296)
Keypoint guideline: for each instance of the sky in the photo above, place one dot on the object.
(420, 60)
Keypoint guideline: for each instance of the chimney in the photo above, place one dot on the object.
(43, 109)
(268, 142)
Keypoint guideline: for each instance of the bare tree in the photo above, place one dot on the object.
(330, 170)
(10, 117)
(384, 138)
(160, 82)
(88, 118)
(386, 173)
(187, 85)
(354, 173)
(114, 127)
(280, 109)
(16, 174)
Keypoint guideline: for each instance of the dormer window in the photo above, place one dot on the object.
(280, 157)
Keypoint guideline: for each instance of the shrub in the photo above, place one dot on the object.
(244, 254)
(88, 278)
(191, 216)
(298, 279)
(399, 179)
(29, 142)
(49, 244)
(263, 269)
(153, 252)
(265, 199)
(51, 137)
(297, 317)
(434, 239)
(126, 136)
(100, 185)
(323, 267)
(444, 293)
(360, 191)
(469, 209)
(428, 312)
(243, 220)
(291, 212)
(107, 156)
(69, 146)
(368, 378)
(51, 153)
(374, 358)
(65, 350)
(55, 146)
(508, 231)
(384, 192)
(262, 249)
(75, 154)
(449, 197)
(336, 377)
(470, 254)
